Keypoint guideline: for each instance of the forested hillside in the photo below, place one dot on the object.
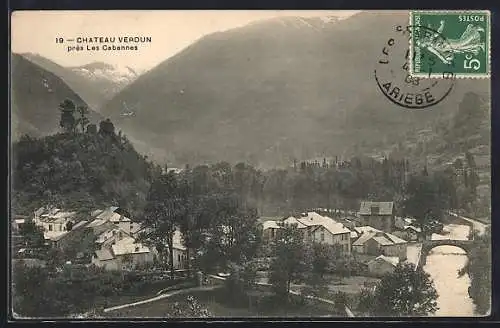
(82, 167)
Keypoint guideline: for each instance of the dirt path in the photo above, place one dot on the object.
(160, 297)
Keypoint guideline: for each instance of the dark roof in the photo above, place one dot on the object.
(385, 208)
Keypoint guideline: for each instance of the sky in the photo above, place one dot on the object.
(170, 32)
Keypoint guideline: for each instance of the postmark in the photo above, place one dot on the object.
(466, 52)
(392, 72)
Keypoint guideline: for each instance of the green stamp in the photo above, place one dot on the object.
(450, 43)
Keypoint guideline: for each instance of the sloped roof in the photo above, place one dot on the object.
(270, 224)
(364, 238)
(80, 224)
(412, 228)
(96, 223)
(363, 229)
(104, 254)
(334, 228)
(393, 260)
(382, 238)
(293, 220)
(128, 246)
(394, 239)
(385, 208)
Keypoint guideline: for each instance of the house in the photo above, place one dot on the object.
(380, 243)
(116, 216)
(55, 223)
(18, 221)
(412, 233)
(55, 220)
(333, 233)
(269, 230)
(179, 251)
(110, 237)
(379, 215)
(382, 265)
(122, 255)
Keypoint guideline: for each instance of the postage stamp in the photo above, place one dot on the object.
(465, 50)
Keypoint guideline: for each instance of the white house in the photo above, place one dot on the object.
(332, 233)
(123, 254)
(179, 251)
(270, 230)
(54, 221)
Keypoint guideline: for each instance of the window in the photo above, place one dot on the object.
(322, 236)
(50, 227)
(272, 233)
(178, 257)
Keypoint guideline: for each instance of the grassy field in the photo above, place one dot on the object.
(219, 305)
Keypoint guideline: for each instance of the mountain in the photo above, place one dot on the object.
(35, 98)
(273, 91)
(95, 82)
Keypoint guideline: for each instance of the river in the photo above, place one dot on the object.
(443, 263)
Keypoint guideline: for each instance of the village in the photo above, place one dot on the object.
(373, 236)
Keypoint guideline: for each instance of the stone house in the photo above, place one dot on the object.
(379, 215)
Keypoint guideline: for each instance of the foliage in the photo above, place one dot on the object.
(163, 210)
(290, 263)
(427, 198)
(32, 234)
(191, 308)
(242, 278)
(478, 268)
(405, 292)
(78, 170)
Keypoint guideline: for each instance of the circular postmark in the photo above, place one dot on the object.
(392, 71)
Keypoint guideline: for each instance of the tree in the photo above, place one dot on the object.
(32, 234)
(163, 210)
(83, 121)
(107, 128)
(241, 279)
(69, 226)
(405, 292)
(425, 203)
(289, 263)
(478, 268)
(67, 121)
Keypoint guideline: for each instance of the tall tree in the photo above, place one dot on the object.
(289, 263)
(163, 211)
(67, 121)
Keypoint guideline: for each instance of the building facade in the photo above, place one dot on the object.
(379, 215)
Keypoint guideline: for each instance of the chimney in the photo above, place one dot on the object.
(375, 209)
(136, 248)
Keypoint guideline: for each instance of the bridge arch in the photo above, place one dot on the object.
(428, 245)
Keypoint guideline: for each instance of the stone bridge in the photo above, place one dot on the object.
(428, 245)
